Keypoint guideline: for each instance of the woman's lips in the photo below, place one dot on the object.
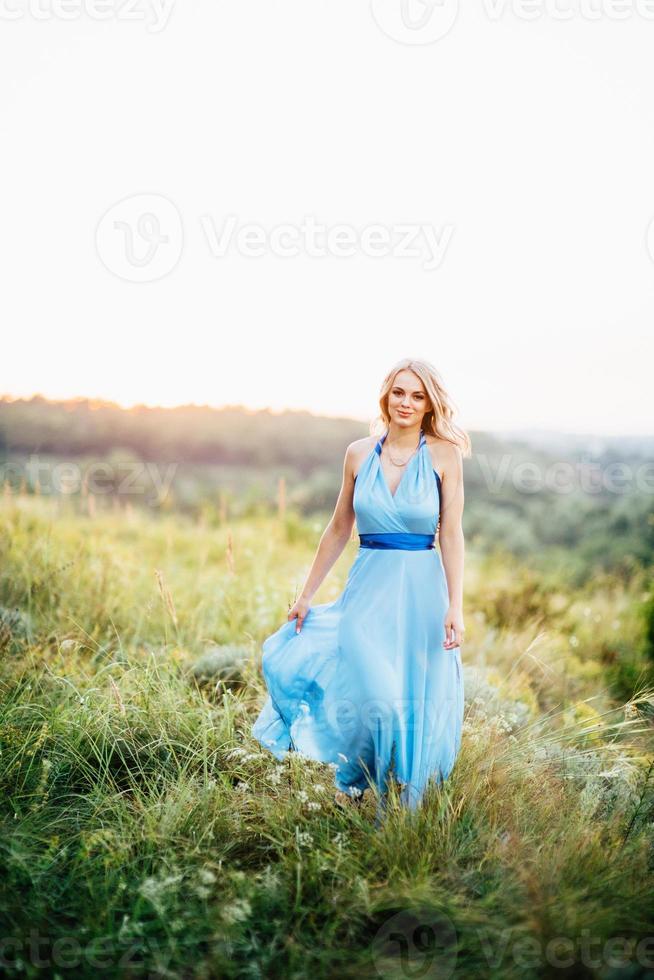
(405, 415)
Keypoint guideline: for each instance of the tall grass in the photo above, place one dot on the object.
(144, 832)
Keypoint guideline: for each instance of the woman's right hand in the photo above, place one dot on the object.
(299, 611)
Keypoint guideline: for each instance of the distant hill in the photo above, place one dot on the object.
(241, 437)
(596, 444)
(233, 435)
(188, 433)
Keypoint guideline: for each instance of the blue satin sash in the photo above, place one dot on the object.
(402, 540)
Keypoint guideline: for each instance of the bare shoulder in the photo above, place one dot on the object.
(445, 456)
(357, 451)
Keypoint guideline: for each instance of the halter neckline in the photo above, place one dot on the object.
(421, 442)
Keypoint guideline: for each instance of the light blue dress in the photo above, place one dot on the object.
(367, 684)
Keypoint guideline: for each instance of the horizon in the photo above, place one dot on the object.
(516, 431)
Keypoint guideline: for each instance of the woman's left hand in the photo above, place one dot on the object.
(454, 628)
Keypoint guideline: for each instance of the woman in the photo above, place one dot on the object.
(372, 682)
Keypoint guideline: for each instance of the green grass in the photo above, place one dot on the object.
(143, 832)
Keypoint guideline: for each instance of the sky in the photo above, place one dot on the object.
(268, 204)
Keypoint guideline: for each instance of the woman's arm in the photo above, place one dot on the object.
(452, 544)
(333, 540)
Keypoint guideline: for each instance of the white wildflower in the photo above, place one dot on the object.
(270, 879)
(156, 888)
(276, 775)
(237, 911)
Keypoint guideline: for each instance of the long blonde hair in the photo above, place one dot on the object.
(438, 420)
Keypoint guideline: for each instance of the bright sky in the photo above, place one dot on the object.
(511, 157)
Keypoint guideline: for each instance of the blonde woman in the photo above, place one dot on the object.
(372, 682)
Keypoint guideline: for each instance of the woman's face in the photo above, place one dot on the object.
(407, 400)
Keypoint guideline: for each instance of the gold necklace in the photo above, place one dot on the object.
(406, 460)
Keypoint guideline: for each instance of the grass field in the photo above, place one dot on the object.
(145, 833)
